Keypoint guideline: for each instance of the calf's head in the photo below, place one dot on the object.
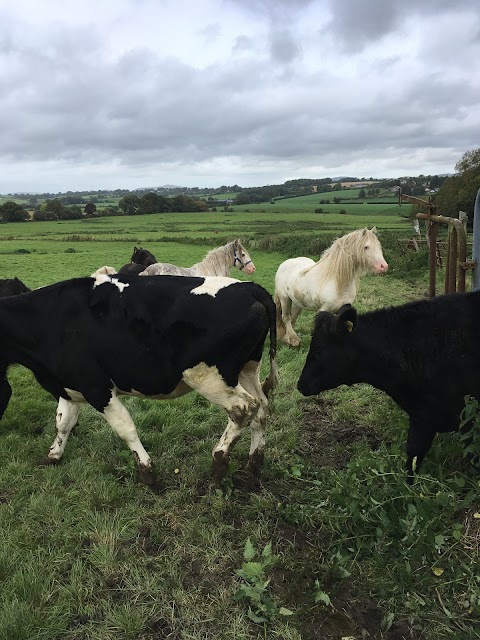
(331, 357)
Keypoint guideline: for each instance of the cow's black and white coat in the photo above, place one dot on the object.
(425, 355)
(90, 340)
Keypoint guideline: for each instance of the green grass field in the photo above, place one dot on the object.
(88, 553)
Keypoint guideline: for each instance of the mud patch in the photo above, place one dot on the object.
(348, 616)
(158, 629)
(353, 613)
(330, 444)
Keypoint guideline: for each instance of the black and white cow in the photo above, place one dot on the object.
(12, 287)
(90, 340)
(425, 355)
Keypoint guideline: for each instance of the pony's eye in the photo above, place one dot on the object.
(366, 247)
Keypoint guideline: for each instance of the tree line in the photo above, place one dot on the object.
(130, 204)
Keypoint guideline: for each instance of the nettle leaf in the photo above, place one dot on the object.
(439, 540)
(249, 551)
(267, 550)
(322, 597)
(252, 572)
(256, 618)
(283, 611)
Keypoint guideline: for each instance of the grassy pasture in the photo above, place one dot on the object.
(88, 553)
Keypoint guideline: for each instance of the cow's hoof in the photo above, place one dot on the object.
(255, 463)
(147, 475)
(219, 466)
(46, 461)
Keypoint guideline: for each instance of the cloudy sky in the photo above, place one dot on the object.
(140, 93)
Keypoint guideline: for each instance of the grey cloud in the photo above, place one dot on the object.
(356, 25)
(65, 99)
(283, 47)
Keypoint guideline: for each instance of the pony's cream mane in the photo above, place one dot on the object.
(219, 261)
(345, 259)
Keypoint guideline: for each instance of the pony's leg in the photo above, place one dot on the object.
(288, 314)
(66, 419)
(241, 408)
(295, 312)
(285, 331)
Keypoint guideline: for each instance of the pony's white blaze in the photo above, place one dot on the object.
(329, 283)
(212, 285)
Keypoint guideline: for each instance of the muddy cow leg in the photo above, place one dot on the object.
(240, 406)
(250, 380)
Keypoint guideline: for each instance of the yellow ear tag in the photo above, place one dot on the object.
(349, 325)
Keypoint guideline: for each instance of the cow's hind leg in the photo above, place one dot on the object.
(250, 380)
(240, 406)
(117, 416)
(66, 418)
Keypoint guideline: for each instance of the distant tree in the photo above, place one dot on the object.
(150, 203)
(90, 208)
(470, 161)
(72, 213)
(458, 192)
(361, 193)
(50, 210)
(11, 211)
(129, 204)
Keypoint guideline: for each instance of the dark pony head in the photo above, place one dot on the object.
(142, 256)
(12, 287)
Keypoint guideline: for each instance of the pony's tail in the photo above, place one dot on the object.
(281, 329)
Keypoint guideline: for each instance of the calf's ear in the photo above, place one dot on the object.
(347, 317)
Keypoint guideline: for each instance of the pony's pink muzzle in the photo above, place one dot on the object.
(249, 268)
(381, 267)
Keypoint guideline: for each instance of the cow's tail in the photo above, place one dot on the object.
(281, 329)
(271, 380)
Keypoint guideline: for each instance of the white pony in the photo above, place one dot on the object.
(326, 285)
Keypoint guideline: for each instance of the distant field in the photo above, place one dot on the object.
(64, 249)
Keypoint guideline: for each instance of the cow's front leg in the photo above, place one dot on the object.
(66, 419)
(117, 416)
(419, 441)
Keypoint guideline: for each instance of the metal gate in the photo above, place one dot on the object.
(456, 262)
